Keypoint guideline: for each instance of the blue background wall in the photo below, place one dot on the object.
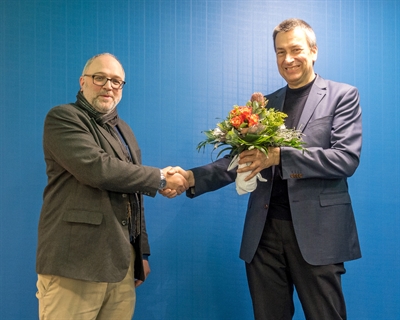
(187, 63)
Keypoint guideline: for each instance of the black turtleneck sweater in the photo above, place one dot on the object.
(295, 99)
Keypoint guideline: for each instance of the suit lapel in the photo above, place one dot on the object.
(111, 140)
(277, 100)
(315, 96)
(130, 141)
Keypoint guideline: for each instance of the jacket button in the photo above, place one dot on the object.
(124, 195)
(124, 222)
(266, 206)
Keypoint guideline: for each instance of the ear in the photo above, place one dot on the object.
(81, 82)
(314, 52)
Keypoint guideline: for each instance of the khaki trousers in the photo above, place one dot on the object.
(64, 298)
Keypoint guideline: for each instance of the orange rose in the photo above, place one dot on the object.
(233, 112)
(245, 113)
(253, 120)
(236, 121)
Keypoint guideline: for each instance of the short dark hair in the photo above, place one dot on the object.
(293, 23)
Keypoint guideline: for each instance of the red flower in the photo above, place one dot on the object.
(253, 120)
(234, 112)
(245, 113)
(236, 121)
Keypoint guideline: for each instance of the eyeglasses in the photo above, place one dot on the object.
(100, 80)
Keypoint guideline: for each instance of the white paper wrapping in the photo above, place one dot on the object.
(243, 187)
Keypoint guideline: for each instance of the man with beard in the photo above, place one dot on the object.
(92, 239)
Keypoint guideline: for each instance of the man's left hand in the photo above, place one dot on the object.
(258, 161)
(147, 270)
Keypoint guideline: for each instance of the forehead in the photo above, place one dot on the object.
(108, 65)
(295, 37)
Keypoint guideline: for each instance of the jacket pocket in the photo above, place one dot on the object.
(331, 199)
(88, 217)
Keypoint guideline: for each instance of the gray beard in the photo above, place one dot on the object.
(101, 109)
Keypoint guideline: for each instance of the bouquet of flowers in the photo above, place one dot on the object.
(252, 126)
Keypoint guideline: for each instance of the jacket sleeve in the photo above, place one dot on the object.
(211, 177)
(76, 144)
(333, 139)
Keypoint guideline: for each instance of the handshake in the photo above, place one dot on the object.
(178, 181)
(250, 161)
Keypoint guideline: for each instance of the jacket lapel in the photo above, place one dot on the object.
(130, 141)
(111, 140)
(315, 96)
(277, 100)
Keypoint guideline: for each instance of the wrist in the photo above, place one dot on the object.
(163, 181)
(190, 178)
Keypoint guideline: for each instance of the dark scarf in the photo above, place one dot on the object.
(102, 119)
(110, 122)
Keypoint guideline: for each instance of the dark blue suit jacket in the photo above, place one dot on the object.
(319, 199)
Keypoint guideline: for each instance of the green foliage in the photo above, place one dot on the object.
(269, 131)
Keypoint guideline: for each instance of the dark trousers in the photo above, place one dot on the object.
(278, 267)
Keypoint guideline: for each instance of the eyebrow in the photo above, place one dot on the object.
(290, 47)
(105, 74)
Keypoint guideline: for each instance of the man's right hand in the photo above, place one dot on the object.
(171, 192)
(175, 181)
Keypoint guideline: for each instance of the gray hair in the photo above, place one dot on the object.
(89, 62)
(290, 24)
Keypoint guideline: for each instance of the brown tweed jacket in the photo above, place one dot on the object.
(83, 230)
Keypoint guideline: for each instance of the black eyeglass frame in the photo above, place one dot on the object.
(121, 82)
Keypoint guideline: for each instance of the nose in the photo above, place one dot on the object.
(107, 85)
(289, 58)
